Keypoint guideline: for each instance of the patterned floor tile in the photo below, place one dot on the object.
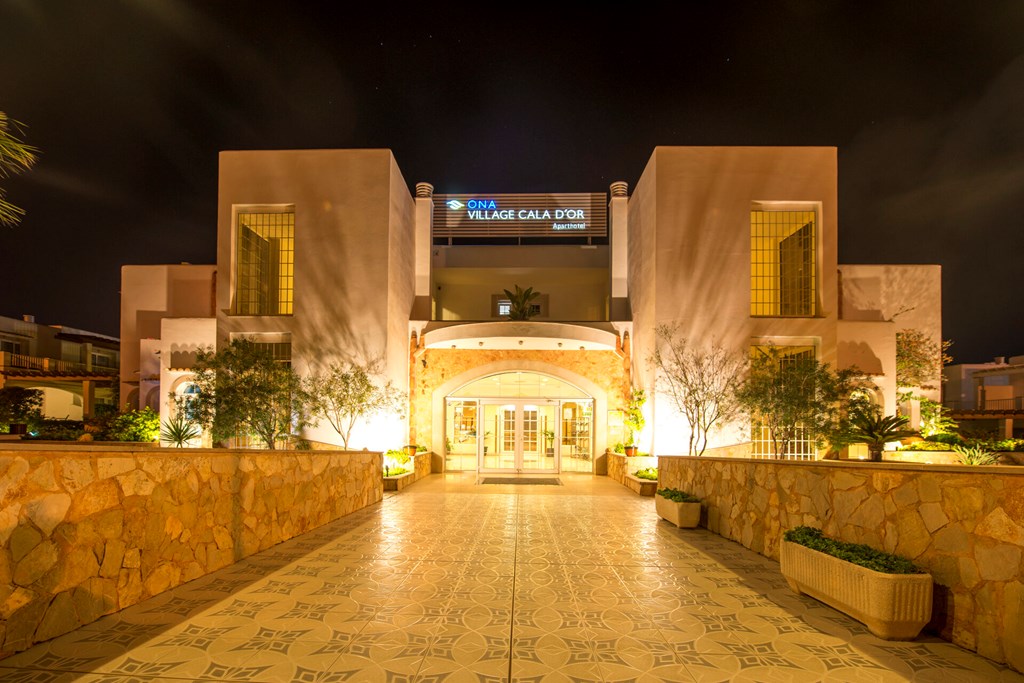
(451, 582)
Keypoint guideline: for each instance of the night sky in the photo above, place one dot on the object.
(130, 102)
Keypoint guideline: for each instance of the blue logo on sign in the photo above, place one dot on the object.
(455, 204)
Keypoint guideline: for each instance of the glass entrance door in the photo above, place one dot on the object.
(519, 436)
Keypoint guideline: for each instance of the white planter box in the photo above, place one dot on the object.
(685, 515)
(892, 606)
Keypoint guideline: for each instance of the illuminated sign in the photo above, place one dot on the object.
(521, 215)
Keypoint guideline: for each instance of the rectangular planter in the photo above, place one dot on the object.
(892, 606)
(644, 487)
(684, 515)
(399, 481)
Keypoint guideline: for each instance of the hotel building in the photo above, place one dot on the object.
(328, 255)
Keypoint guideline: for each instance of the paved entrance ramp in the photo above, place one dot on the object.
(522, 481)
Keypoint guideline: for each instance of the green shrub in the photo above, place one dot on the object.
(975, 455)
(1009, 445)
(135, 425)
(619, 448)
(677, 496)
(926, 446)
(647, 473)
(399, 456)
(394, 471)
(950, 439)
(57, 430)
(857, 553)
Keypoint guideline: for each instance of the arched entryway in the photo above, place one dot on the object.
(520, 421)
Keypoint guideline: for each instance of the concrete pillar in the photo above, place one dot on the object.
(424, 242)
(1008, 428)
(88, 397)
(618, 225)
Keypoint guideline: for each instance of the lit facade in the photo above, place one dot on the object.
(327, 253)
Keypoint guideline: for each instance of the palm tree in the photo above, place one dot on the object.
(871, 428)
(15, 157)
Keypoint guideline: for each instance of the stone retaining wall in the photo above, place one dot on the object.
(619, 465)
(965, 525)
(85, 532)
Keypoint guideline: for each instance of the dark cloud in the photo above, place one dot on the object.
(948, 188)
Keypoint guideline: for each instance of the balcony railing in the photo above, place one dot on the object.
(15, 362)
(990, 404)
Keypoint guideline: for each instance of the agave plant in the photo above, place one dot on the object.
(178, 430)
(975, 455)
(872, 428)
(521, 307)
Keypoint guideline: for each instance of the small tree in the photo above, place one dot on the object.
(919, 359)
(243, 390)
(788, 394)
(348, 392)
(521, 303)
(633, 418)
(702, 383)
(19, 405)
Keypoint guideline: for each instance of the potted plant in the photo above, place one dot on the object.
(885, 592)
(678, 507)
(549, 441)
(634, 420)
(521, 306)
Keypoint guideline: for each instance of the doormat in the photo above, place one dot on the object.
(521, 481)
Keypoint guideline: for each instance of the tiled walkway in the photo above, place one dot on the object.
(450, 581)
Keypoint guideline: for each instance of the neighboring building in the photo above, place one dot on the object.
(987, 396)
(76, 370)
(325, 255)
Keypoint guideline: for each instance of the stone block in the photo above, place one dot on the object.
(78, 564)
(933, 516)
(43, 477)
(1013, 624)
(113, 466)
(905, 496)
(132, 558)
(997, 562)
(59, 618)
(952, 540)
(12, 474)
(929, 489)
(23, 539)
(160, 579)
(21, 627)
(844, 503)
(113, 557)
(969, 574)
(16, 598)
(36, 563)
(76, 473)
(913, 535)
(129, 587)
(48, 511)
(964, 503)
(99, 496)
(870, 514)
(135, 483)
(998, 525)
(9, 521)
(94, 598)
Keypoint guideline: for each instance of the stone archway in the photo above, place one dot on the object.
(439, 372)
